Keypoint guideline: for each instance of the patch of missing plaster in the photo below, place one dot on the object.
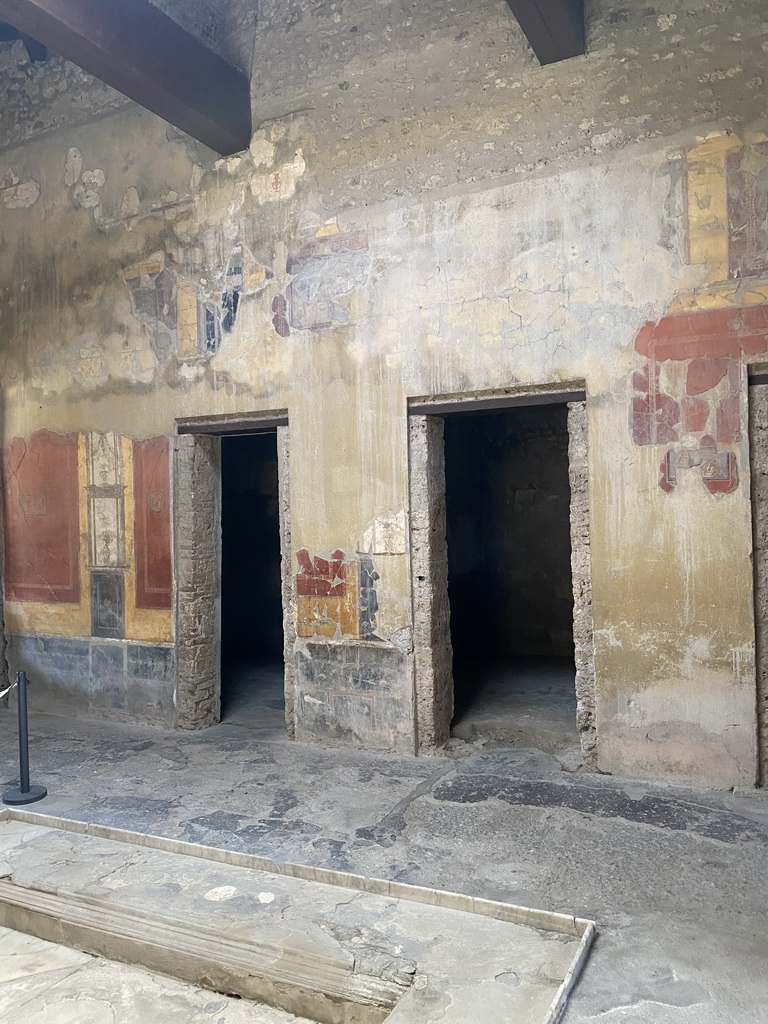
(73, 167)
(385, 535)
(262, 150)
(85, 185)
(130, 204)
(195, 178)
(19, 195)
(280, 183)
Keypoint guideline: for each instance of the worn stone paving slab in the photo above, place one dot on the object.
(46, 983)
(439, 963)
(674, 877)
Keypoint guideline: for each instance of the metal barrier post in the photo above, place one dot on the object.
(25, 794)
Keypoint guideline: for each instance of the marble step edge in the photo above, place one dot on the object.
(532, 917)
(321, 987)
(565, 924)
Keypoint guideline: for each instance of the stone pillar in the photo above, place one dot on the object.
(197, 562)
(581, 573)
(758, 453)
(433, 655)
(4, 671)
(286, 575)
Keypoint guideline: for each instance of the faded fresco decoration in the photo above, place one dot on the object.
(325, 268)
(64, 491)
(151, 492)
(336, 596)
(42, 518)
(180, 318)
(696, 411)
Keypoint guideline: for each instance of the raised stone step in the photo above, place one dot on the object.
(330, 947)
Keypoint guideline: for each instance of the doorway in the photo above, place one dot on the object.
(509, 577)
(234, 621)
(503, 630)
(252, 671)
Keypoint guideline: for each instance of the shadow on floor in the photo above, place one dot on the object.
(252, 694)
(525, 702)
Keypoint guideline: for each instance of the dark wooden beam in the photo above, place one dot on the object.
(554, 28)
(141, 52)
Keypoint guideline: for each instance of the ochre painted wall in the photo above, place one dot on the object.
(458, 222)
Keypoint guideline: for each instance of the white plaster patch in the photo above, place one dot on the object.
(266, 897)
(312, 700)
(21, 196)
(195, 178)
(666, 21)
(73, 167)
(279, 184)
(220, 893)
(88, 198)
(385, 535)
(130, 204)
(744, 664)
(85, 192)
(262, 150)
(609, 635)
(95, 178)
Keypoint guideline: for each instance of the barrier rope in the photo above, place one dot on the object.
(3, 693)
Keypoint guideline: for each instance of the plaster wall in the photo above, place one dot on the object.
(423, 211)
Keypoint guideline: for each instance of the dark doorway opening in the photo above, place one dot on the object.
(252, 668)
(509, 577)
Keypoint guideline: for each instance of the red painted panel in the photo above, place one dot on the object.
(695, 414)
(729, 420)
(321, 577)
(712, 334)
(42, 518)
(705, 374)
(152, 503)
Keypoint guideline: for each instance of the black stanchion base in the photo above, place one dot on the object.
(15, 796)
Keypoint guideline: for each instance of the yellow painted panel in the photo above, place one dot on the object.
(186, 320)
(708, 204)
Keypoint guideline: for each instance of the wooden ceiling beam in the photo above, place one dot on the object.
(138, 50)
(554, 28)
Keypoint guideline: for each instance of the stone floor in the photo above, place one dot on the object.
(676, 879)
(326, 949)
(527, 702)
(45, 983)
(252, 694)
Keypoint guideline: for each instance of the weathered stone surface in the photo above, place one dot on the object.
(119, 679)
(429, 574)
(197, 561)
(302, 941)
(96, 987)
(758, 450)
(354, 694)
(286, 575)
(581, 573)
